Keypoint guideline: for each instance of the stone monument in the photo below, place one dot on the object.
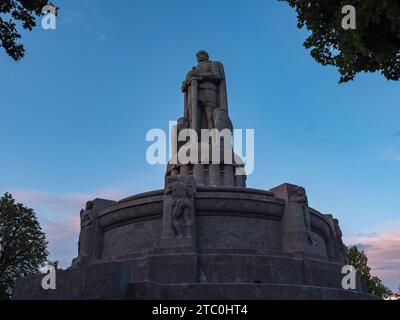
(205, 235)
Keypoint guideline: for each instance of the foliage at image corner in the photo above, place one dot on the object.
(23, 245)
(359, 261)
(14, 13)
(374, 46)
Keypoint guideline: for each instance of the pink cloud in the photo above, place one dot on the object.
(59, 217)
(391, 156)
(60, 204)
(383, 252)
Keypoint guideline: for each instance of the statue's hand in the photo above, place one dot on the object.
(193, 73)
(187, 82)
(185, 86)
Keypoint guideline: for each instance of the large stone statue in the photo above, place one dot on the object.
(206, 105)
(206, 108)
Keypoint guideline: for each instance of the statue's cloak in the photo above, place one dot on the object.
(221, 118)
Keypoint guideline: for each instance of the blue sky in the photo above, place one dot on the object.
(76, 110)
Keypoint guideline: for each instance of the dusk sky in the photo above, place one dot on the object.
(75, 113)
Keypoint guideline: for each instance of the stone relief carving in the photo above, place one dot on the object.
(86, 215)
(179, 209)
(86, 234)
(300, 197)
(339, 242)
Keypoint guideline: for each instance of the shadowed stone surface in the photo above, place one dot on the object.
(239, 254)
(150, 290)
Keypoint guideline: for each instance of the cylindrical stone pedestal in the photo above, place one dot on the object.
(214, 172)
(198, 173)
(228, 177)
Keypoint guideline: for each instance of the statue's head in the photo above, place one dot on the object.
(89, 205)
(301, 191)
(202, 56)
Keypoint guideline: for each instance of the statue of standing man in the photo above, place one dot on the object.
(206, 105)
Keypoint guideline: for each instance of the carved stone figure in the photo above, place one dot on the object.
(206, 105)
(300, 197)
(339, 242)
(297, 238)
(86, 235)
(86, 215)
(179, 210)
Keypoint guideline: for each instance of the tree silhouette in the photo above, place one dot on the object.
(23, 245)
(13, 12)
(359, 261)
(374, 46)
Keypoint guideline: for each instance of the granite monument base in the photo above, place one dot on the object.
(246, 244)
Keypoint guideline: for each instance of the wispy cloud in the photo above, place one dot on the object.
(396, 134)
(59, 217)
(99, 26)
(391, 156)
(383, 252)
